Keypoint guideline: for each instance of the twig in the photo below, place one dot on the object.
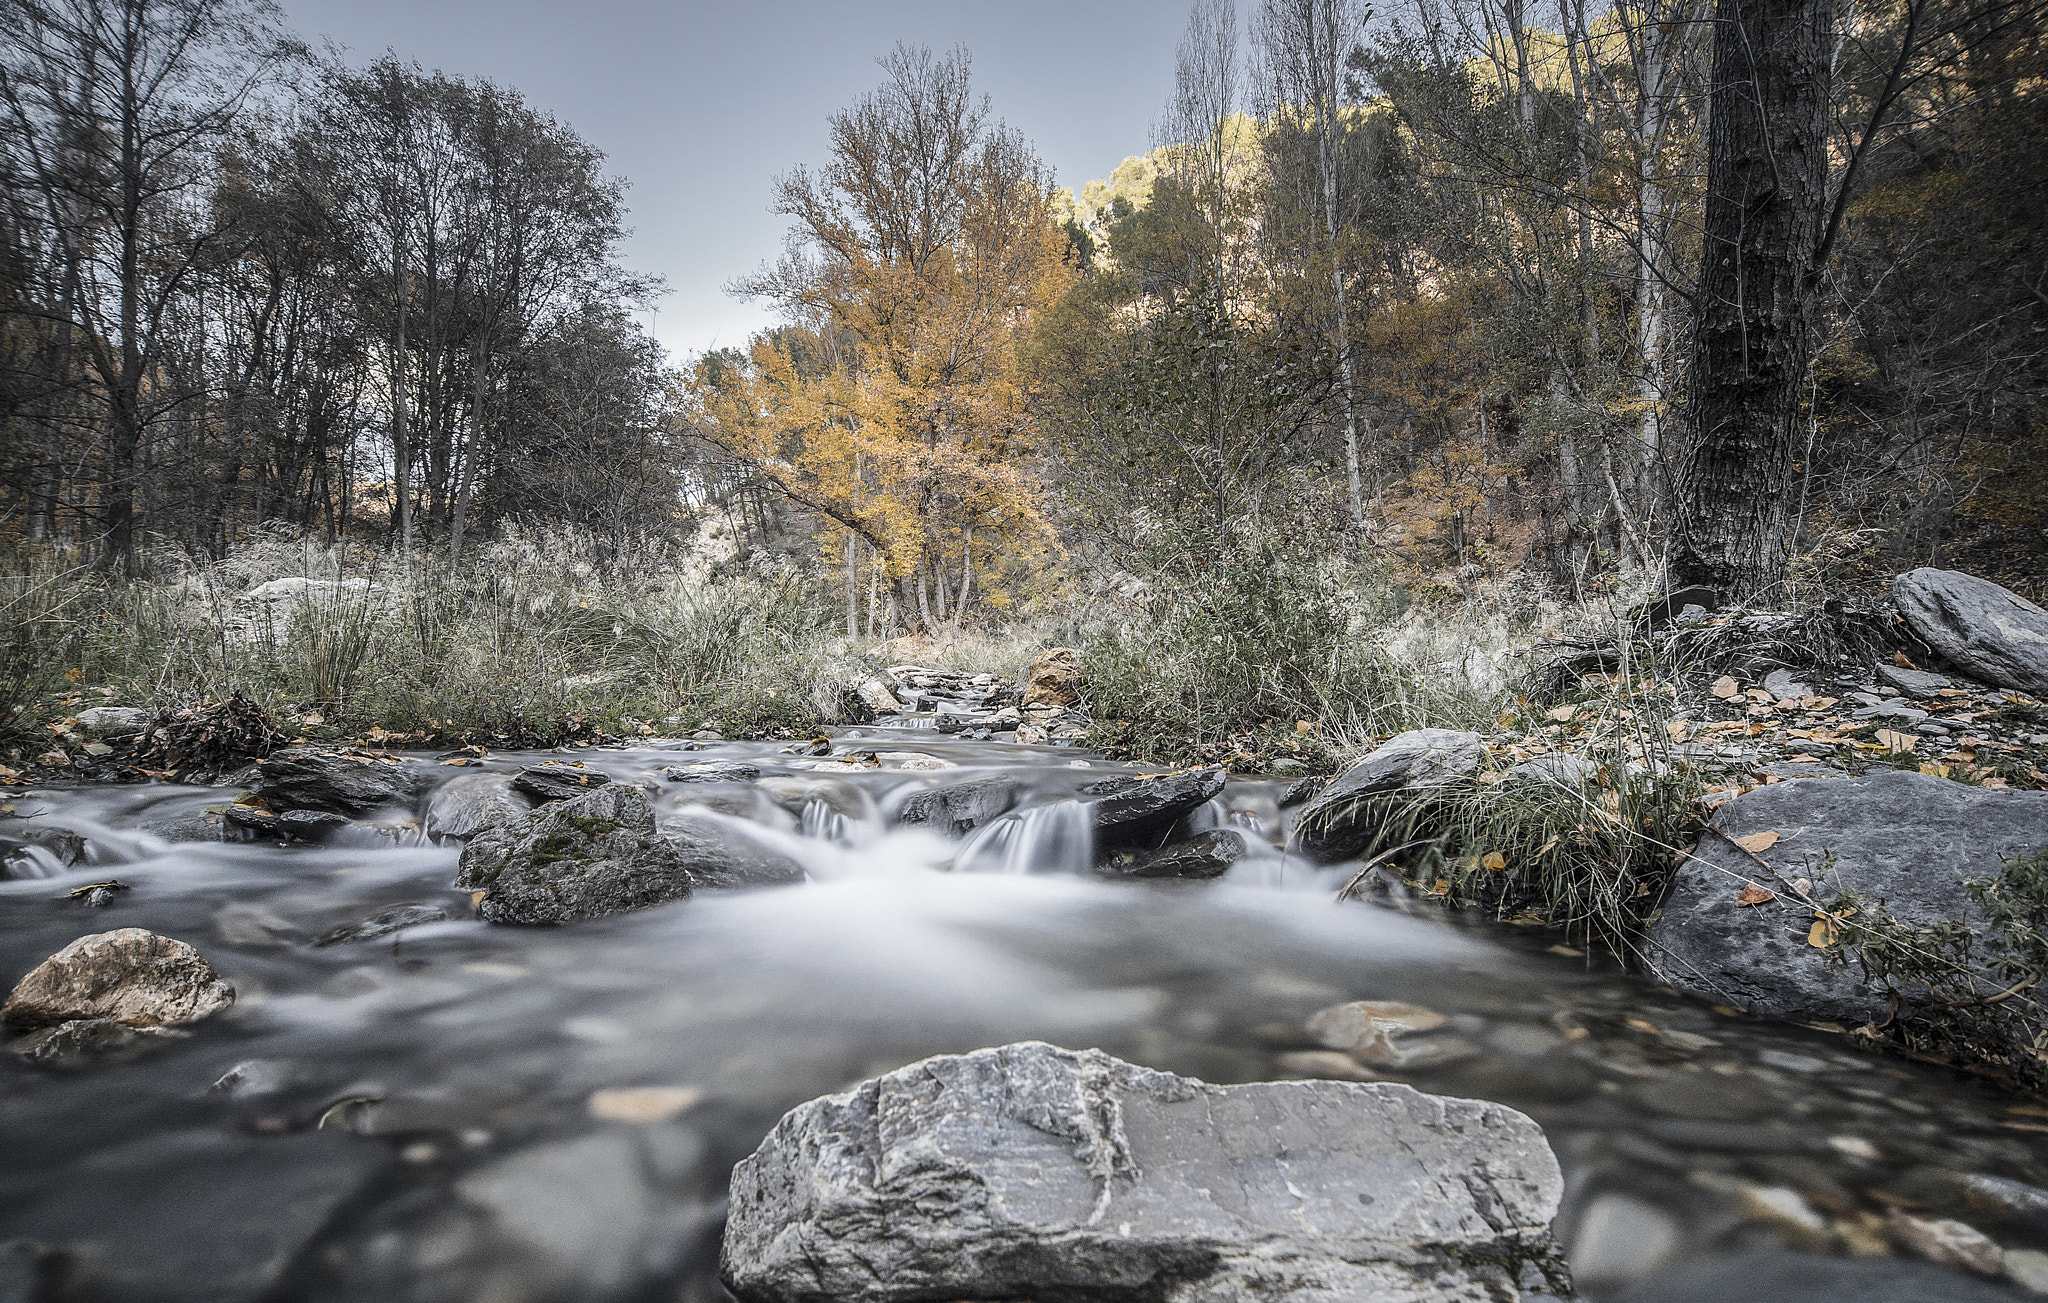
(1374, 863)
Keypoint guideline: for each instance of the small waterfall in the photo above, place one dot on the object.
(821, 821)
(1054, 838)
(31, 861)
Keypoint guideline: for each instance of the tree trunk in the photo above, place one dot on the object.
(1753, 320)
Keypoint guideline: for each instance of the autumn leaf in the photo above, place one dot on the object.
(1937, 770)
(1896, 741)
(1752, 894)
(75, 676)
(1822, 934)
(1677, 728)
(1758, 842)
(1725, 687)
(1494, 860)
(1562, 714)
(1899, 659)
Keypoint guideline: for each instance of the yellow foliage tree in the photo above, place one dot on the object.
(894, 403)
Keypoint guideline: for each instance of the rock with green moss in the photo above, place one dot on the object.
(597, 854)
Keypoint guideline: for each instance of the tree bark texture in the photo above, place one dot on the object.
(1758, 289)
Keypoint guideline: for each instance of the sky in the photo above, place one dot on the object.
(700, 105)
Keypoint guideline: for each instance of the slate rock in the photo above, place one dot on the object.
(92, 1042)
(1914, 683)
(557, 780)
(1143, 806)
(307, 778)
(596, 854)
(469, 803)
(1347, 815)
(712, 771)
(1987, 631)
(1205, 855)
(128, 975)
(1032, 1172)
(1908, 838)
(959, 809)
(383, 923)
(1556, 769)
(253, 820)
(1301, 789)
(39, 851)
(717, 853)
(311, 825)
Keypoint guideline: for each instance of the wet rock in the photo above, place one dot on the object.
(1302, 789)
(1327, 1065)
(1556, 769)
(1132, 810)
(1347, 815)
(580, 1210)
(466, 805)
(1987, 631)
(1908, 838)
(712, 771)
(1914, 683)
(1620, 1239)
(1029, 1171)
(596, 854)
(383, 923)
(1951, 1243)
(341, 782)
(1786, 1211)
(1810, 1278)
(718, 854)
(1056, 677)
(92, 1042)
(557, 780)
(253, 819)
(311, 825)
(2009, 1202)
(878, 693)
(1205, 855)
(959, 809)
(127, 975)
(114, 721)
(39, 851)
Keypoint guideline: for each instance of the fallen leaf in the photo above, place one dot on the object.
(1929, 767)
(1644, 1026)
(1677, 728)
(1760, 695)
(1562, 714)
(1896, 741)
(1802, 886)
(1758, 842)
(1725, 687)
(1899, 659)
(1494, 860)
(1752, 894)
(1822, 934)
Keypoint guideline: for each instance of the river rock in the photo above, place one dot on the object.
(716, 853)
(1055, 678)
(114, 721)
(311, 825)
(1128, 809)
(712, 771)
(1205, 855)
(383, 923)
(91, 1042)
(1914, 683)
(39, 851)
(341, 782)
(1032, 1172)
(1346, 816)
(1987, 631)
(557, 780)
(1910, 839)
(1812, 1278)
(469, 803)
(959, 809)
(127, 975)
(596, 854)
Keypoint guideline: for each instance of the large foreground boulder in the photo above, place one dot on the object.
(1988, 632)
(597, 854)
(1032, 1172)
(1908, 839)
(127, 976)
(1347, 815)
(339, 782)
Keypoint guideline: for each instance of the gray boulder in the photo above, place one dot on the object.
(128, 976)
(466, 805)
(1205, 855)
(340, 782)
(957, 810)
(712, 771)
(557, 780)
(114, 721)
(1988, 632)
(1347, 815)
(597, 854)
(1907, 838)
(1032, 1172)
(1914, 683)
(715, 853)
(1128, 808)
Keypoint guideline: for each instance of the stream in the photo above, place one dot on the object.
(464, 1111)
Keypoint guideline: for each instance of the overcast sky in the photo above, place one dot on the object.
(700, 105)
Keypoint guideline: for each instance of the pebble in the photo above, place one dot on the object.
(1787, 1210)
(2027, 1268)
(1620, 1239)
(1854, 1147)
(1327, 1065)
(1950, 1243)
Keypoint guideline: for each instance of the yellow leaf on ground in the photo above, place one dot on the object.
(1929, 767)
(1677, 728)
(1896, 741)
(1752, 894)
(1494, 860)
(1725, 687)
(1822, 934)
(1899, 659)
(1562, 714)
(1758, 842)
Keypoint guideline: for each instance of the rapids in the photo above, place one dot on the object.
(461, 1111)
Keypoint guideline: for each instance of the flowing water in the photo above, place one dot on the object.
(461, 1111)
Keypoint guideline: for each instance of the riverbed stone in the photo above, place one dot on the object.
(557, 780)
(1910, 839)
(469, 803)
(128, 975)
(1055, 677)
(1032, 1172)
(1133, 809)
(719, 853)
(92, 1042)
(340, 782)
(1204, 855)
(1813, 1278)
(1347, 815)
(596, 854)
(1983, 629)
(712, 771)
(114, 721)
(959, 809)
